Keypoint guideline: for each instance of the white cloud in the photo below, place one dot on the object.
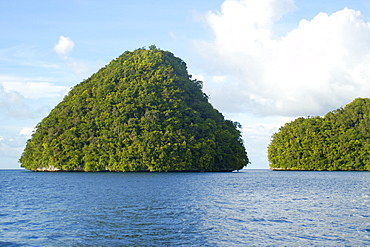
(32, 88)
(27, 132)
(20, 96)
(319, 66)
(64, 46)
(12, 105)
(80, 69)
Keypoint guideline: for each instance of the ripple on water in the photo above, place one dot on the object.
(189, 209)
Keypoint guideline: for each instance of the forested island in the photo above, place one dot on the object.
(338, 141)
(142, 112)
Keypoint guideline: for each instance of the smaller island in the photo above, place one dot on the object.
(141, 112)
(339, 141)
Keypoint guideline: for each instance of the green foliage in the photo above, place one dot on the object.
(141, 112)
(338, 141)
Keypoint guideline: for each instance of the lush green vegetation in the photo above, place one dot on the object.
(338, 141)
(141, 112)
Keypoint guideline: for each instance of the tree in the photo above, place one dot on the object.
(141, 112)
(338, 141)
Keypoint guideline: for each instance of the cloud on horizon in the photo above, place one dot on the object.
(11, 146)
(319, 66)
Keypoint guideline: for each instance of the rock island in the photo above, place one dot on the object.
(142, 112)
(338, 141)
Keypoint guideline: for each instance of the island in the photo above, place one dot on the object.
(339, 141)
(141, 112)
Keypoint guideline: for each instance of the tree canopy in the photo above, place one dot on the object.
(338, 141)
(142, 112)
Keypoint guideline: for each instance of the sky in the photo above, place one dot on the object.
(263, 63)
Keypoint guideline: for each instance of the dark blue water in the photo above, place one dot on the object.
(248, 208)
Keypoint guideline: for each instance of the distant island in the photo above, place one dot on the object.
(142, 112)
(339, 141)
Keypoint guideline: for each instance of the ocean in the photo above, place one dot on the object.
(247, 208)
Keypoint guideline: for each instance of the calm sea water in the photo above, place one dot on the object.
(249, 208)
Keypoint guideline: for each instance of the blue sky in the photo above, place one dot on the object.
(263, 62)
